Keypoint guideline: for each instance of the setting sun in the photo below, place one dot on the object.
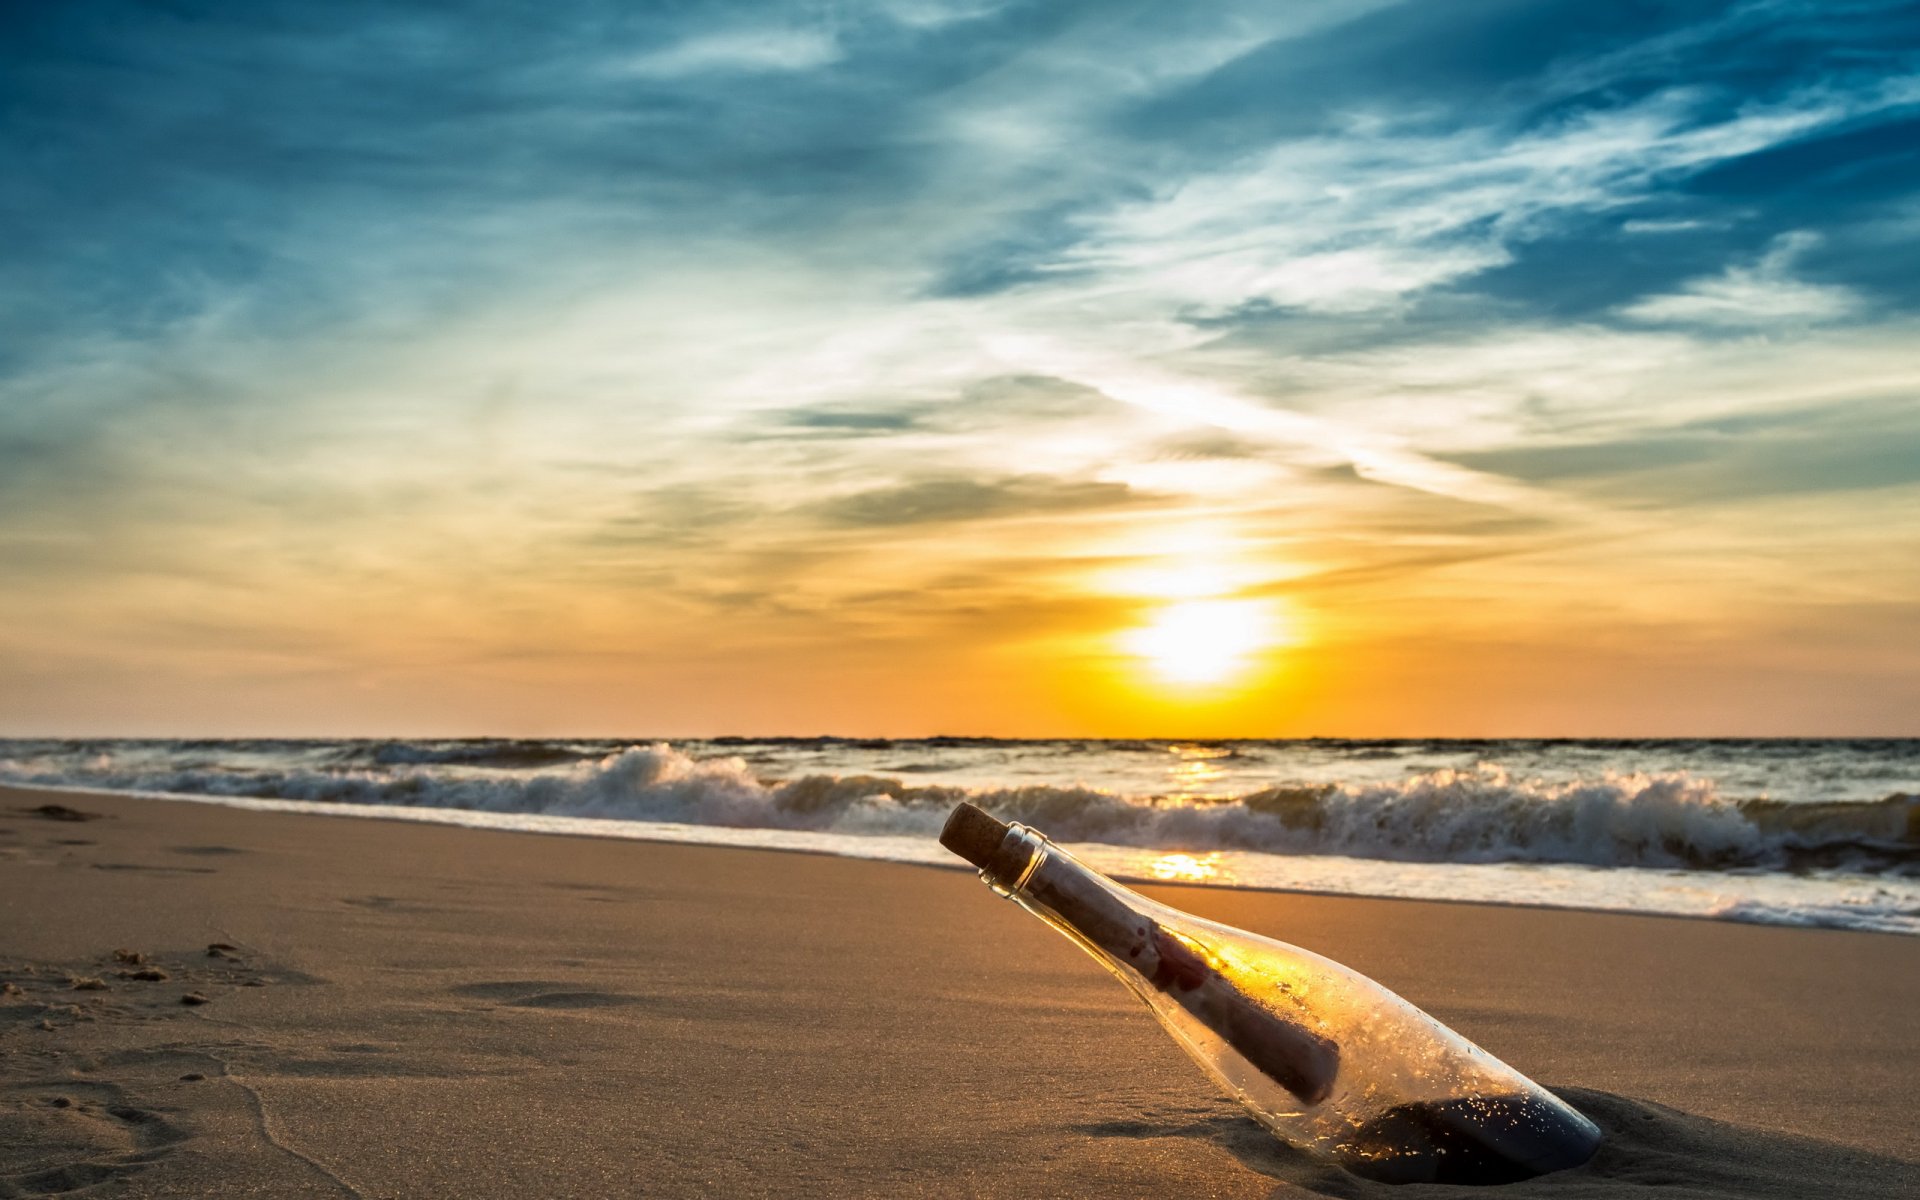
(1202, 641)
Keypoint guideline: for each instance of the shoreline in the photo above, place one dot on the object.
(440, 1011)
(915, 850)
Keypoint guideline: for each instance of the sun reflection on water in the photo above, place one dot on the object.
(1186, 868)
(1196, 774)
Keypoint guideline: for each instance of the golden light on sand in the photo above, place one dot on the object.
(1202, 642)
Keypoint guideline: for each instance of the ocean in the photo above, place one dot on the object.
(1810, 832)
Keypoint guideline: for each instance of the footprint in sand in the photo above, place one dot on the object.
(78, 1135)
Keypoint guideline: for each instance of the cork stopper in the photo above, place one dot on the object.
(973, 834)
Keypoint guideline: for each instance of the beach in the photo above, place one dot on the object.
(404, 1009)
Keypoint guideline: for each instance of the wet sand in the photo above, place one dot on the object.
(420, 1010)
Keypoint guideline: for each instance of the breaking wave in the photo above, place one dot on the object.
(1479, 815)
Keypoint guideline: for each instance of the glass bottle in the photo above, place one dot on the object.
(1321, 1055)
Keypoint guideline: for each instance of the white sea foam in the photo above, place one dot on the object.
(1455, 816)
(1666, 842)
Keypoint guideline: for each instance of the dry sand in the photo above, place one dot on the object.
(417, 1010)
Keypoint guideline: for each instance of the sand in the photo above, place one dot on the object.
(419, 1010)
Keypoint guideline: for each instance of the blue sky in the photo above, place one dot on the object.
(729, 367)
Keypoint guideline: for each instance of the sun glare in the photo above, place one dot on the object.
(1202, 641)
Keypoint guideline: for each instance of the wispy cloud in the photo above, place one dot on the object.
(1378, 210)
(743, 51)
(1765, 293)
(932, 501)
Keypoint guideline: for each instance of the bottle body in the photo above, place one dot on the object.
(1324, 1057)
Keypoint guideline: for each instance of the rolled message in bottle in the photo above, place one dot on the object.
(1323, 1056)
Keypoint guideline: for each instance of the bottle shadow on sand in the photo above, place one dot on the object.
(1647, 1149)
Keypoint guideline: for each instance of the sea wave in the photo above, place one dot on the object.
(1478, 815)
(502, 754)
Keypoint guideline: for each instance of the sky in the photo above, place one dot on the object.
(1358, 368)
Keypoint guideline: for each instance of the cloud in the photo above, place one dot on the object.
(1848, 446)
(944, 500)
(934, 14)
(840, 422)
(1765, 293)
(742, 51)
(1365, 215)
(1203, 403)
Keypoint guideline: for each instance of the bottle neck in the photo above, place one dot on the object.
(1057, 887)
(1124, 930)
(1019, 857)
